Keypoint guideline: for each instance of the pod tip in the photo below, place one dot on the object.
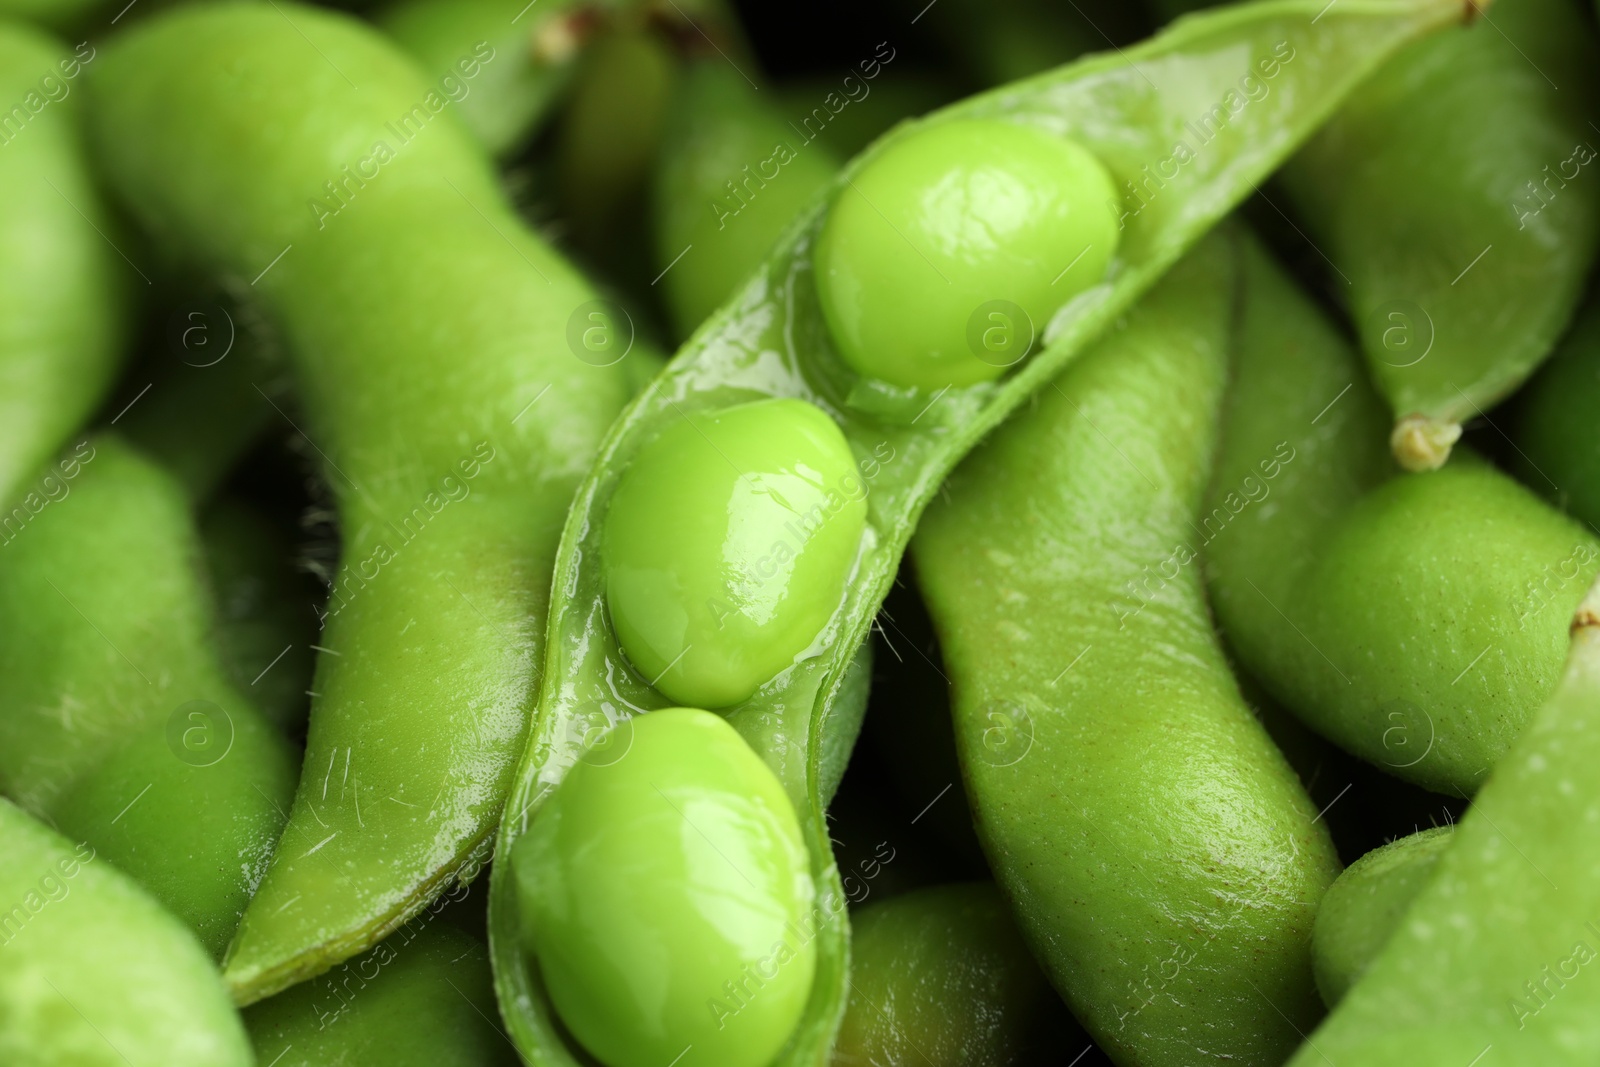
(1423, 444)
(1587, 617)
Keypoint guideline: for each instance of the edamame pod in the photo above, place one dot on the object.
(121, 726)
(770, 341)
(503, 62)
(94, 973)
(1456, 199)
(423, 997)
(1159, 852)
(437, 345)
(1414, 621)
(1364, 907)
(1493, 958)
(607, 143)
(733, 176)
(940, 977)
(62, 314)
(1554, 435)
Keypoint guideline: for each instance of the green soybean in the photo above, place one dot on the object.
(941, 977)
(1161, 856)
(1415, 621)
(726, 546)
(1363, 908)
(1456, 198)
(422, 997)
(1493, 958)
(122, 727)
(985, 206)
(429, 334)
(62, 313)
(770, 340)
(1555, 442)
(94, 973)
(675, 845)
(503, 64)
(731, 180)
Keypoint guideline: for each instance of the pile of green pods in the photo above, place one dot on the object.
(673, 533)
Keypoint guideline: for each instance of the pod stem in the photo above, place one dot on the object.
(1420, 443)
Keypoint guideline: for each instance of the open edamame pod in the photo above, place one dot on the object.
(771, 344)
(423, 997)
(439, 352)
(1493, 958)
(1456, 198)
(940, 977)
(93, 972)
(1365, 906)
(1158, 850)
(1415, 621)
(62, 314)
(121, 726)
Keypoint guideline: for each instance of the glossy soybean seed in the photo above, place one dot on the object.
(666, 894)
(1364, 907)
(727, 544)
(928, 254)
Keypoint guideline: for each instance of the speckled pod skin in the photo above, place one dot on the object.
(1493, 958)
(299, 152)
(1417, 621)
(1458, 199)
(1362, 910)
(1159, 853)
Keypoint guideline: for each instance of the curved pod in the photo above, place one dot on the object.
(769, 341)
(1415, 621)
(429, 332)
(1161, 856)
